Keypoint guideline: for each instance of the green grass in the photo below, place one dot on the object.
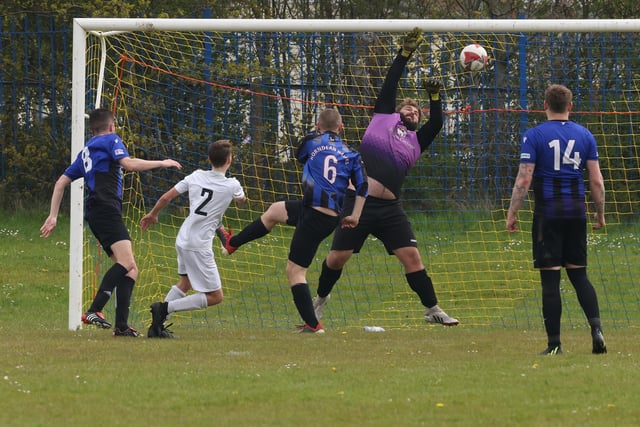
(235, 376)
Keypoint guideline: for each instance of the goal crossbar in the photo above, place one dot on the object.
(360, 25)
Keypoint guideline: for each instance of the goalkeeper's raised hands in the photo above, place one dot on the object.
(411, 42)
(433, 86)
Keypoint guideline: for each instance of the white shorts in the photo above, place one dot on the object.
(201, 269)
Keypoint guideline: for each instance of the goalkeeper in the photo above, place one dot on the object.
(391, 145)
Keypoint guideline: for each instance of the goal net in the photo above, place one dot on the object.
(177, 85)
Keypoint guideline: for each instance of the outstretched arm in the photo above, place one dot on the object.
(386, 102)
(136, 165)
(428, 132)
(152, 217)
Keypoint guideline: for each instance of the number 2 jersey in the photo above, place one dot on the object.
(98, 164)
(329, 165)
(210, 193)
(559, 149)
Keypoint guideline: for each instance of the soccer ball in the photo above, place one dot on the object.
(473, 57)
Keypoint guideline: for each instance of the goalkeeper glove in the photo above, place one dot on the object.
(433, 87)
(411, 42)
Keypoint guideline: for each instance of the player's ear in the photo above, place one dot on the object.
(570, 106)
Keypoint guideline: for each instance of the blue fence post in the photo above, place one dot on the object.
(522, 58)
(207, 76)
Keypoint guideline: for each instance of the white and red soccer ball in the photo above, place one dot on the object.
(473, 57)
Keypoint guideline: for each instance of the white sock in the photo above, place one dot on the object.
(190, 302)
(174, 293)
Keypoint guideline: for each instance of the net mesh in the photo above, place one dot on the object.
(175, 92)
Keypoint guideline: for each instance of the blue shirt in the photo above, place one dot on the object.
(559, 149)
(329, 165)
(98, 164)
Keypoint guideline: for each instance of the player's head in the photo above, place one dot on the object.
(220, 153)
(410, 113)
(557, 99)
(329, 120)
(101, 120)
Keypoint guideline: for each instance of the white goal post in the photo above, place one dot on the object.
(82, 27)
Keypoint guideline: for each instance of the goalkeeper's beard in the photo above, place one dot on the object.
(408, 124)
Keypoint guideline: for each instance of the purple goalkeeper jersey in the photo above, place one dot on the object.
(389, 150)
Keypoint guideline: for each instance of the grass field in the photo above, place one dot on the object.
(428, 375)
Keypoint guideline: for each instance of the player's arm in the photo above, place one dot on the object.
(428, 132)
(386, 101)
(56, 198)
(596, 185)
(239, 196)
(302, 153)
(361, 184)
(137, 165)
(519, 193)
(152, 217)
(352, 220)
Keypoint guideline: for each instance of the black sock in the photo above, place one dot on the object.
(123, 302)
(551, 304)
(422, 285)
(304, 303)
(253, 231)
(587, 296)
(111, 278)
(328, 278)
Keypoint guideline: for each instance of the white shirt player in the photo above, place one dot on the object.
(210, 193)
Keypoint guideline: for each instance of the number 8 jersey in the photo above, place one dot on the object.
(98, 164)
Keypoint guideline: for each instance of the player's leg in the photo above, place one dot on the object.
(420, 283)
(108, 228)
(296, 275)
(576, 264)
(282, 212)
(123, 255)
(588, 299)
(551, 308)
(329, 275)
(346, 242)
(313, 227)
(547, 255)
(394, 230)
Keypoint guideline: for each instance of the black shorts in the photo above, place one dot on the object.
(558, 242)
(384, 219)
(312, 228)
(294, 209)
(108, 227)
